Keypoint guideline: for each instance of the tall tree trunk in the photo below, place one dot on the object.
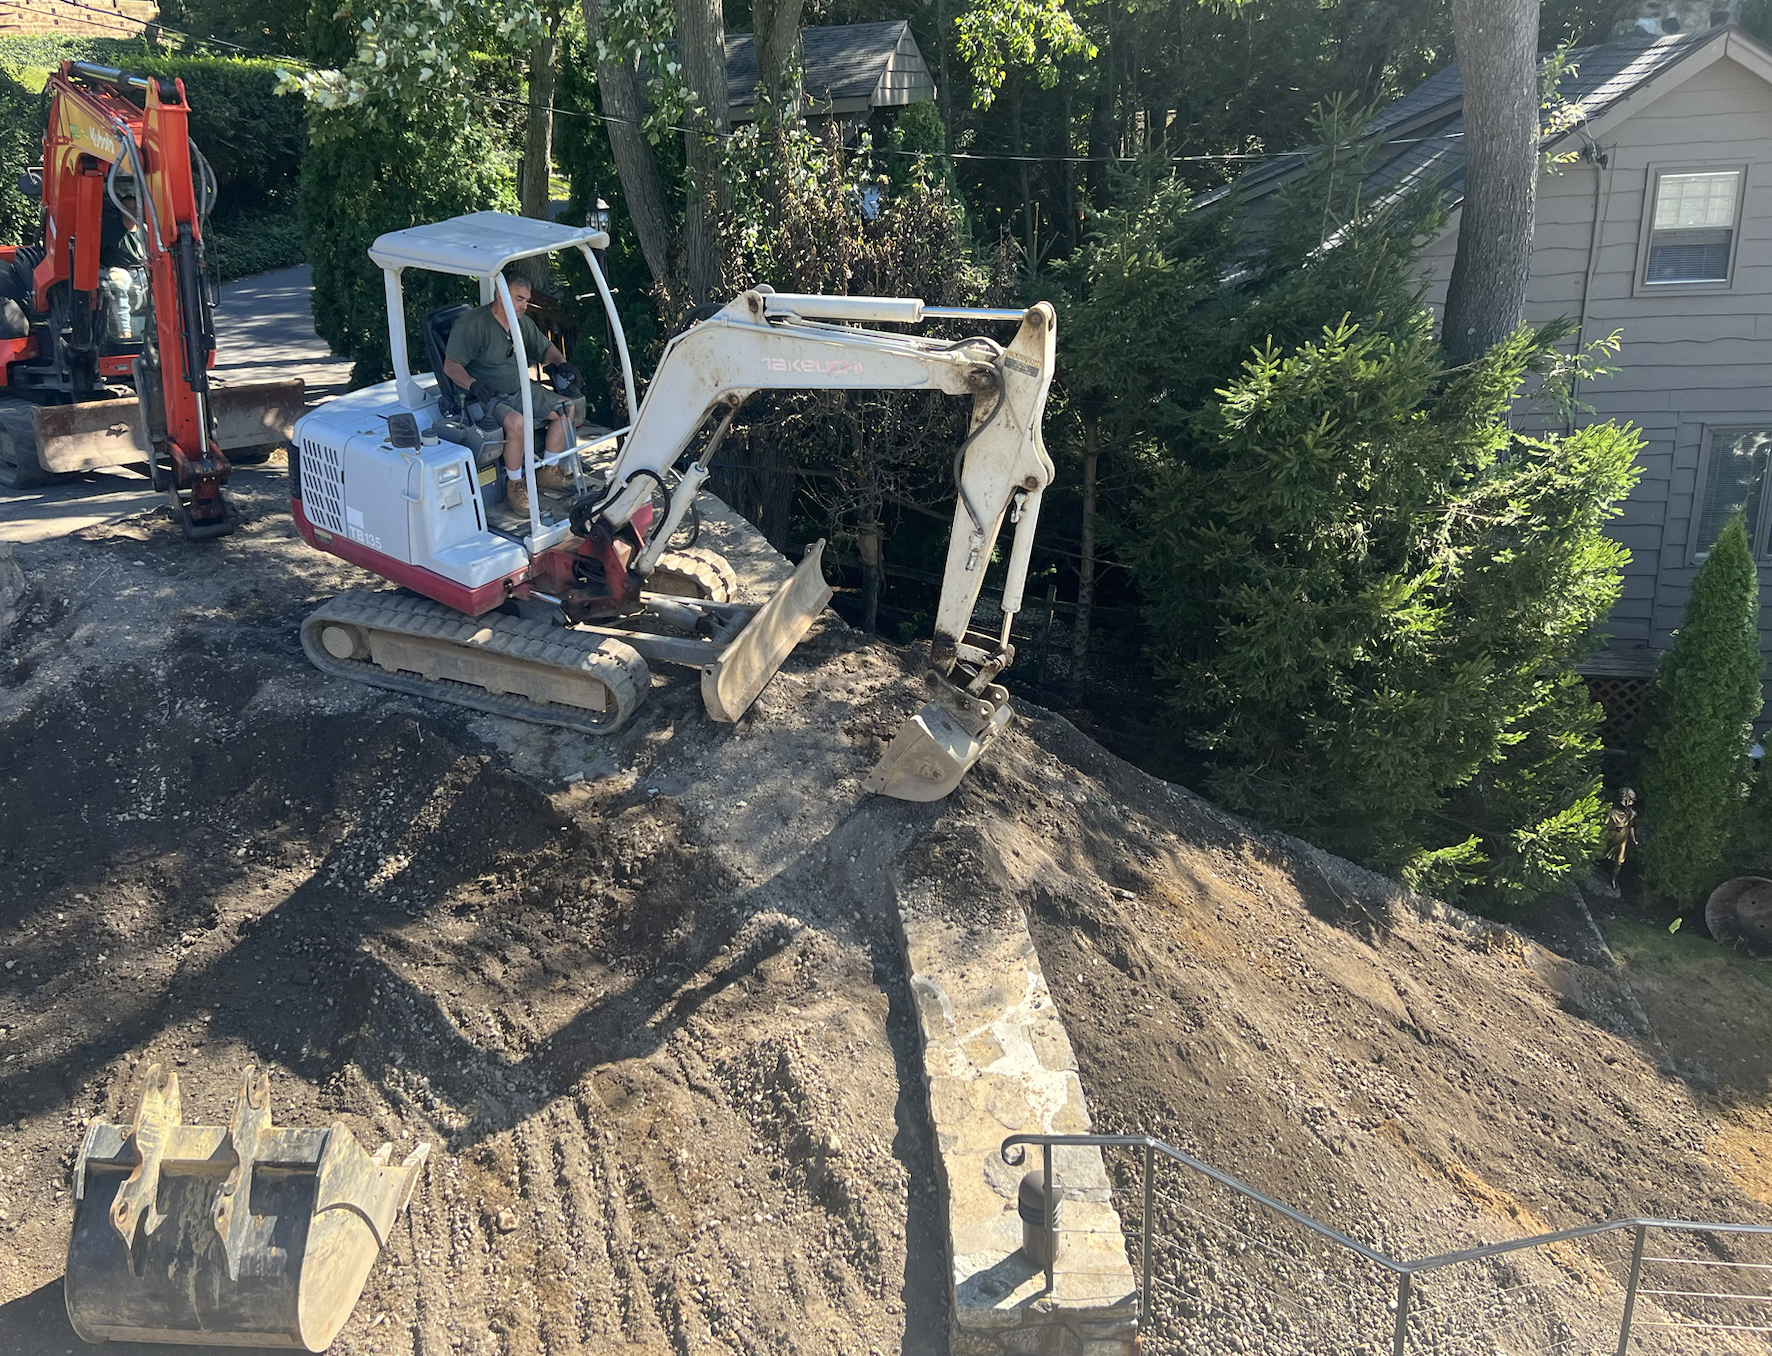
(538, 149)
(944, 98)
(1029, 236)
(776, 28)
(641, 189)
(701, 47)
(1068, 169)
(538, 131)
(1101, 119)
(868, 544)
(1498, 67)
(1086, 552)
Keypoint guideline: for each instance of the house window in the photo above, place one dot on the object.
(1735, 479)
(1693, 229)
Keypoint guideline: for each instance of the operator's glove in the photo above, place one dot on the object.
(564, 375)
(482, 392)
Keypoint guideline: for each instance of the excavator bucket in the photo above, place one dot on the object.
(936, 747)
(247, 1234)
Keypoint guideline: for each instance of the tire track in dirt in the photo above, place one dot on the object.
(420, 945)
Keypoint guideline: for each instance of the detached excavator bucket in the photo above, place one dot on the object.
(936, 747)
(246, 1234)
(732, 682)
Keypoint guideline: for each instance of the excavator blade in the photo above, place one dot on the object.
(935, 748)
(94, 434)
(245, 1234)
(255, 413)
(731, 683)
(90, 435)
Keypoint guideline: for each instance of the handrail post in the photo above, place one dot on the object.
(1144, 1290)
(1630, 1291)
(1405, 1285)
(1051, 1224)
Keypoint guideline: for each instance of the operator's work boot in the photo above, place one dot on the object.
(517, 496)
(552, 478)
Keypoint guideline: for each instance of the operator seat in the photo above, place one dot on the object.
(437, 326)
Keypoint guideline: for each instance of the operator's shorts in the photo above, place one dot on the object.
(506, 405)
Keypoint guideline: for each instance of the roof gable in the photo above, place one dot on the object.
(1421, 135)
(847, 68)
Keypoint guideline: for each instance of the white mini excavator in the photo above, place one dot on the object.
(553, 615)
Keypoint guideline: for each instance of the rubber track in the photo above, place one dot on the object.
(618, 667)
(21, 475)
(714, 579)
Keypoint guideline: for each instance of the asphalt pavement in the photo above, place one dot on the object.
(263, 329)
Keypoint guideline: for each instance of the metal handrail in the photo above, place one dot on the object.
(1014, 1152)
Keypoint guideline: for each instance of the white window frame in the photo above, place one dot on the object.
(1762, 527)
(1651, 191)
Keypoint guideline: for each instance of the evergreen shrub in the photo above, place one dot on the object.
(1701, 714)
(1367, 593)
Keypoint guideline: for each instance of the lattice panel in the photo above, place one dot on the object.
(1624, 701)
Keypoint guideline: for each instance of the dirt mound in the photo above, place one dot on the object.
(662, 1051)
(643, 994)
(1418, 1079)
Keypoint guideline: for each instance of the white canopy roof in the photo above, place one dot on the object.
(479, 244)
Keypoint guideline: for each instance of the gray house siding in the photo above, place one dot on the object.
(1693, 357)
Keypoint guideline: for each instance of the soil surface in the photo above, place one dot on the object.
(1421, 1080)
(643, 997)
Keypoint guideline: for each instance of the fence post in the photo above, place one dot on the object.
(1144, 1290)
(1630, 1291)
(1405, 1285)
(1051, 1229)
(1046, 631)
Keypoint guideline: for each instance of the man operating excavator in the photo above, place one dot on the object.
(482, 361)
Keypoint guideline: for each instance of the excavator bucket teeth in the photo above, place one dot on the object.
(932, 751)
(731, 683)
(245, 1234)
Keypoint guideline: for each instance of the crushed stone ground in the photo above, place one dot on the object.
(643, 998)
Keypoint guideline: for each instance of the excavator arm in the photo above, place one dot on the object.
(767, 341)
(102, 148)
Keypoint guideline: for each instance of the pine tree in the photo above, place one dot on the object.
(1706, 697)
(1367, 594)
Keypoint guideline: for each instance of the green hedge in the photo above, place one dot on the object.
(21, 143)
(253, 137)
(255, 241)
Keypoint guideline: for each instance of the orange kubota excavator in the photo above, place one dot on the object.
(106, 326)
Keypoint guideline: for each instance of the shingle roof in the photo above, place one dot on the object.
(1424, 130)
(847, 68)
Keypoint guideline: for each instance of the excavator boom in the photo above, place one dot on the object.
(115, 297)
(423, 505)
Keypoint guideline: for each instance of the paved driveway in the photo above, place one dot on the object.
(263, 329)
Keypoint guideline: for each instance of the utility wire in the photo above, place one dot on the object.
(1228, 157)
(122, 24)
(962, 155)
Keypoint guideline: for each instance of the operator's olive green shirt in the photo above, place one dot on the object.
(479, 343)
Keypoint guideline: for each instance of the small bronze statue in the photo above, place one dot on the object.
(1621, 830)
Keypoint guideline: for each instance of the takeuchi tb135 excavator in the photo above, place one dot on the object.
(106, 326)
(553, 615)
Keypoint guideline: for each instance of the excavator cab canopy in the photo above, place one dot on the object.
(479, 246)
